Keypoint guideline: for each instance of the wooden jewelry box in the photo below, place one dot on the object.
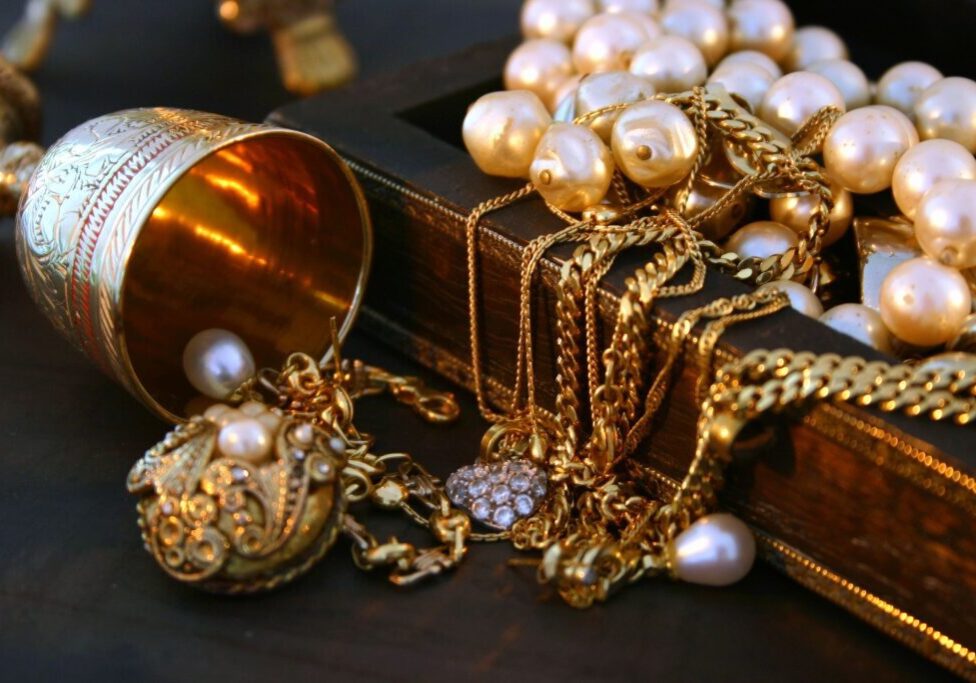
(876, 512)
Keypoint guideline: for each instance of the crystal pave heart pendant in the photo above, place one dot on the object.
(498, 494)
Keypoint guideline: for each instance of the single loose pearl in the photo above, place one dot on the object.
(795, 212)
(761, 239)
(795, 97)
(540, 66)
(555, 19)
(502, 129)
(901, 85)
(672, 64)
(752, 57)
(861, 323)
(945, 225)
(802, 299)
(762, 25)
(217, 362)
(947, 109)
(607, 42)
(654, 143)
(597, 91)
(643, 6)
(717, 550)
(923, 302)
(747, 80)
(246, 439)
(848, 78)
(814, 44)
(572, 168)
(700, 23)
(923, 166)
(864, 146)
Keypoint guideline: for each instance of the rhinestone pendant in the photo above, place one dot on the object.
(498, 494)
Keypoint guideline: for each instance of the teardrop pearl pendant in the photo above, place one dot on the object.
(716, 550)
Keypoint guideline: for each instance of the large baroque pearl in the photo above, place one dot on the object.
(861, 323)
(761, 239)
(802, 299)
(813, 44)
(700, 23)
(947, 109)
(654, 143)
(217, 362)
(795, 211)
(747, 80)
(671, 64)
(540, 66)
(945, 224)
(555, 19)
(923, 302)
(572, 168)
(606, 42)
(501, 131)
(716, 550)
(752, 57)
(923, 166)
(864, 146)
(245, 439)
(597, 91)
(848, 78)
(795, 97)
(900, 86)
(762, 25)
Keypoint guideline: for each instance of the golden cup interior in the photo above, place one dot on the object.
(268, 238)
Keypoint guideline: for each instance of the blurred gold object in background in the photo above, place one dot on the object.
(26, 44)
(312, 54)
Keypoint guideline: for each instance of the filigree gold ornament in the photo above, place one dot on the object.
(248, 496)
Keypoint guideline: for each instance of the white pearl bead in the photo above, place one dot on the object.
(794, 212)
(762, 25)
(945, 224)
(654, 143)
(761, 239)
(923, 302)
(271, 421)
(861, 323)
(947, 109)
(923, 166)
(502, 129)
(642, 6)
(597, 91)
(607, 41)
(700, 23)
(863, 147)
(670, 63)
(716, 550)
(901, 85)
(214, 412)
(752, 57)
(246, 439)
(540, 66)
(848, 78)
(217, 363)
(802, 299)
(252, 408)
(556, 19)
(814, 44)
(228, 416)
(747, 80)
(566, 90)
(572, 168)
(795, 97)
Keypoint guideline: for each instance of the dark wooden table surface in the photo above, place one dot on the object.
(79, 598)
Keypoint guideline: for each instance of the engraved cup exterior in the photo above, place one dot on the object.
(140, 228)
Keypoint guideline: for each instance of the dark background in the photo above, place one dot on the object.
(80, 599)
